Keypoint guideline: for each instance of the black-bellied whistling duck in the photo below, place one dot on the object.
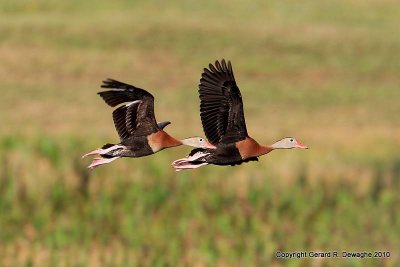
(222, 116)
(136, 126)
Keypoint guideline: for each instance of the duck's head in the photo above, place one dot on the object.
(198, 142)
(287, 143)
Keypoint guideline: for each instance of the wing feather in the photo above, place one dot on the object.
(221, 106)
(135, 118)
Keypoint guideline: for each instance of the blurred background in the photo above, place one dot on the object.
(325, 72)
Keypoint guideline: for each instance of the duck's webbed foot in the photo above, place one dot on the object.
(100, 161)
(188, 162)
(102, 151)
(187, 166)
(190, 158)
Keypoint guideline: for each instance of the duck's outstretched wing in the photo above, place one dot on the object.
(221, 106)
(136, 117)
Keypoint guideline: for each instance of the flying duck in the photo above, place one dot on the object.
(135, 122)
(222, 117)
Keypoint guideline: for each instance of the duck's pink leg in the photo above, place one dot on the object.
(187, 166)
(186, 163)
(100, 151)
(191, 158)
(100, 161)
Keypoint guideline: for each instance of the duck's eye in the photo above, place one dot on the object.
(201, 140)
(291, 140)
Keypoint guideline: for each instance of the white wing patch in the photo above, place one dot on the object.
(133, 103)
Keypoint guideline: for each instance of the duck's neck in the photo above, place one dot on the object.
(172, 142)
(262, 150)
(161, 140)
(249, 148)
(277, 145)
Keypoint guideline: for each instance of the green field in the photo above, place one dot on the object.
(326, 72)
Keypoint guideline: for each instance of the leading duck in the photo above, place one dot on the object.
(222, 117)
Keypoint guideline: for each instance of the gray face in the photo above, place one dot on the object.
(201, 142)
(290, 142)
(195, 142)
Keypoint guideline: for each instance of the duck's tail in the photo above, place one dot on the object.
(108, 153)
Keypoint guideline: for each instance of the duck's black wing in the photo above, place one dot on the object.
(162, 125)
(221, 106)
(136, 117)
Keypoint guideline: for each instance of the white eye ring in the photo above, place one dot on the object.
(201, 140)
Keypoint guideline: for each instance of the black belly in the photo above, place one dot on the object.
(137, 146)
(223, 162)
(225, 155)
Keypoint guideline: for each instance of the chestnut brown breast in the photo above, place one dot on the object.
(160, 140)
(250, 148)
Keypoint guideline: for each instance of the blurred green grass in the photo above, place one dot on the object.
(325, 72)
